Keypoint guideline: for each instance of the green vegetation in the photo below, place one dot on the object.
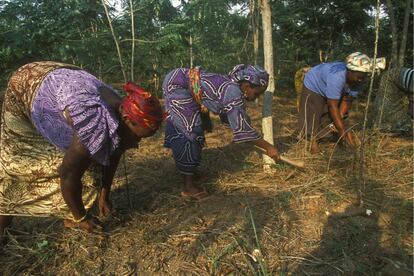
(77, 31)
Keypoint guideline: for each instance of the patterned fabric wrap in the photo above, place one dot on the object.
(195, 87)
(75, 93)
(186, 153)
(221, 95)
(405, 80)
(141, 107)
(362, 63)
(392, 106)
(29, 180)
(299, 77)
(250, 73)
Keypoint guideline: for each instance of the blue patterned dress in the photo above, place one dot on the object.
(184, 133)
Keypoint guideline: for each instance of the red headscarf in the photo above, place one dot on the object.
(141, 107)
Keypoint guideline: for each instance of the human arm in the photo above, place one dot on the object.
(345, 105)
(336, 115)
(237, 118)
(339, 104)
(270, 150)
(74, 164)
(104, 203)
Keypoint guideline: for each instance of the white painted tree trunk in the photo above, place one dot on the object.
(267, 120)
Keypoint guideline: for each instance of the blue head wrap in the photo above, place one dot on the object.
(250, 73)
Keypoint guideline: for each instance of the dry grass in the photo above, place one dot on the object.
(284, 222)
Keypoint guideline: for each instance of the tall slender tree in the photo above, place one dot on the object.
(404, 34)
(394, 33)
(267, 120)
(254, 18)
(131, 7)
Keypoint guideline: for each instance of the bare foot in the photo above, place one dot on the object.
(315, 148)
(105, 207)
(192, 192)
(200, 196)
(88, 225)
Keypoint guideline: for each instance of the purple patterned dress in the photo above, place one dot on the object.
(93, 120)
(184, 133)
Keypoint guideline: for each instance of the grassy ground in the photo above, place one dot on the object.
(283, 222)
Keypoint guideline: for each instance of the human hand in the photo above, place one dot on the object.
(350, 141)
(273, 153)
(105, 206)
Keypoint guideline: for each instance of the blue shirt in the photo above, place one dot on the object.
(329, 81)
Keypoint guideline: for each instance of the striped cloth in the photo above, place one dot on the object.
(405, 80)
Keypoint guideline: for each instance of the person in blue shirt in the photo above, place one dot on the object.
(328, 92)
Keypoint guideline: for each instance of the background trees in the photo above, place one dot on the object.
(304, 32)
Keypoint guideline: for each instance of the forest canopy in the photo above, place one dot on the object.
(216, 34)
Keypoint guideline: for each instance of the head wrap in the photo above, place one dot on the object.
(250, 73)
(141, 107)
(362, 63)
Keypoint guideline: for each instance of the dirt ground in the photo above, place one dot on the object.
(283, 222)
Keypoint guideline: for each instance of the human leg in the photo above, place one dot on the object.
(310, 112)
(187, 156)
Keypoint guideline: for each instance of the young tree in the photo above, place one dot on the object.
(394, 33)
(254, 17)
(399, 35)
(267, 121)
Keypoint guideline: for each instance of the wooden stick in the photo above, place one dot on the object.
(298, 164)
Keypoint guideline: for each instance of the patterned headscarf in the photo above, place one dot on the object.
(250, 73)
(362, 63)
(141, 107)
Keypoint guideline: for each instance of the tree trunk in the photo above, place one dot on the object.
(191, 52)
(361, 188)
(404, 33)
(267, 121)
(133, 38)
(255, 27)
(118, 49)
(394, 34)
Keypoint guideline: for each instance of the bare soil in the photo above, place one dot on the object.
(327, 219)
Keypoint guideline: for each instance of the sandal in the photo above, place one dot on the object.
(198, 197)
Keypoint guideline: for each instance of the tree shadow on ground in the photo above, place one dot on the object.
(353, 243)
(237, 215)
(157, 177)
(153, 186)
